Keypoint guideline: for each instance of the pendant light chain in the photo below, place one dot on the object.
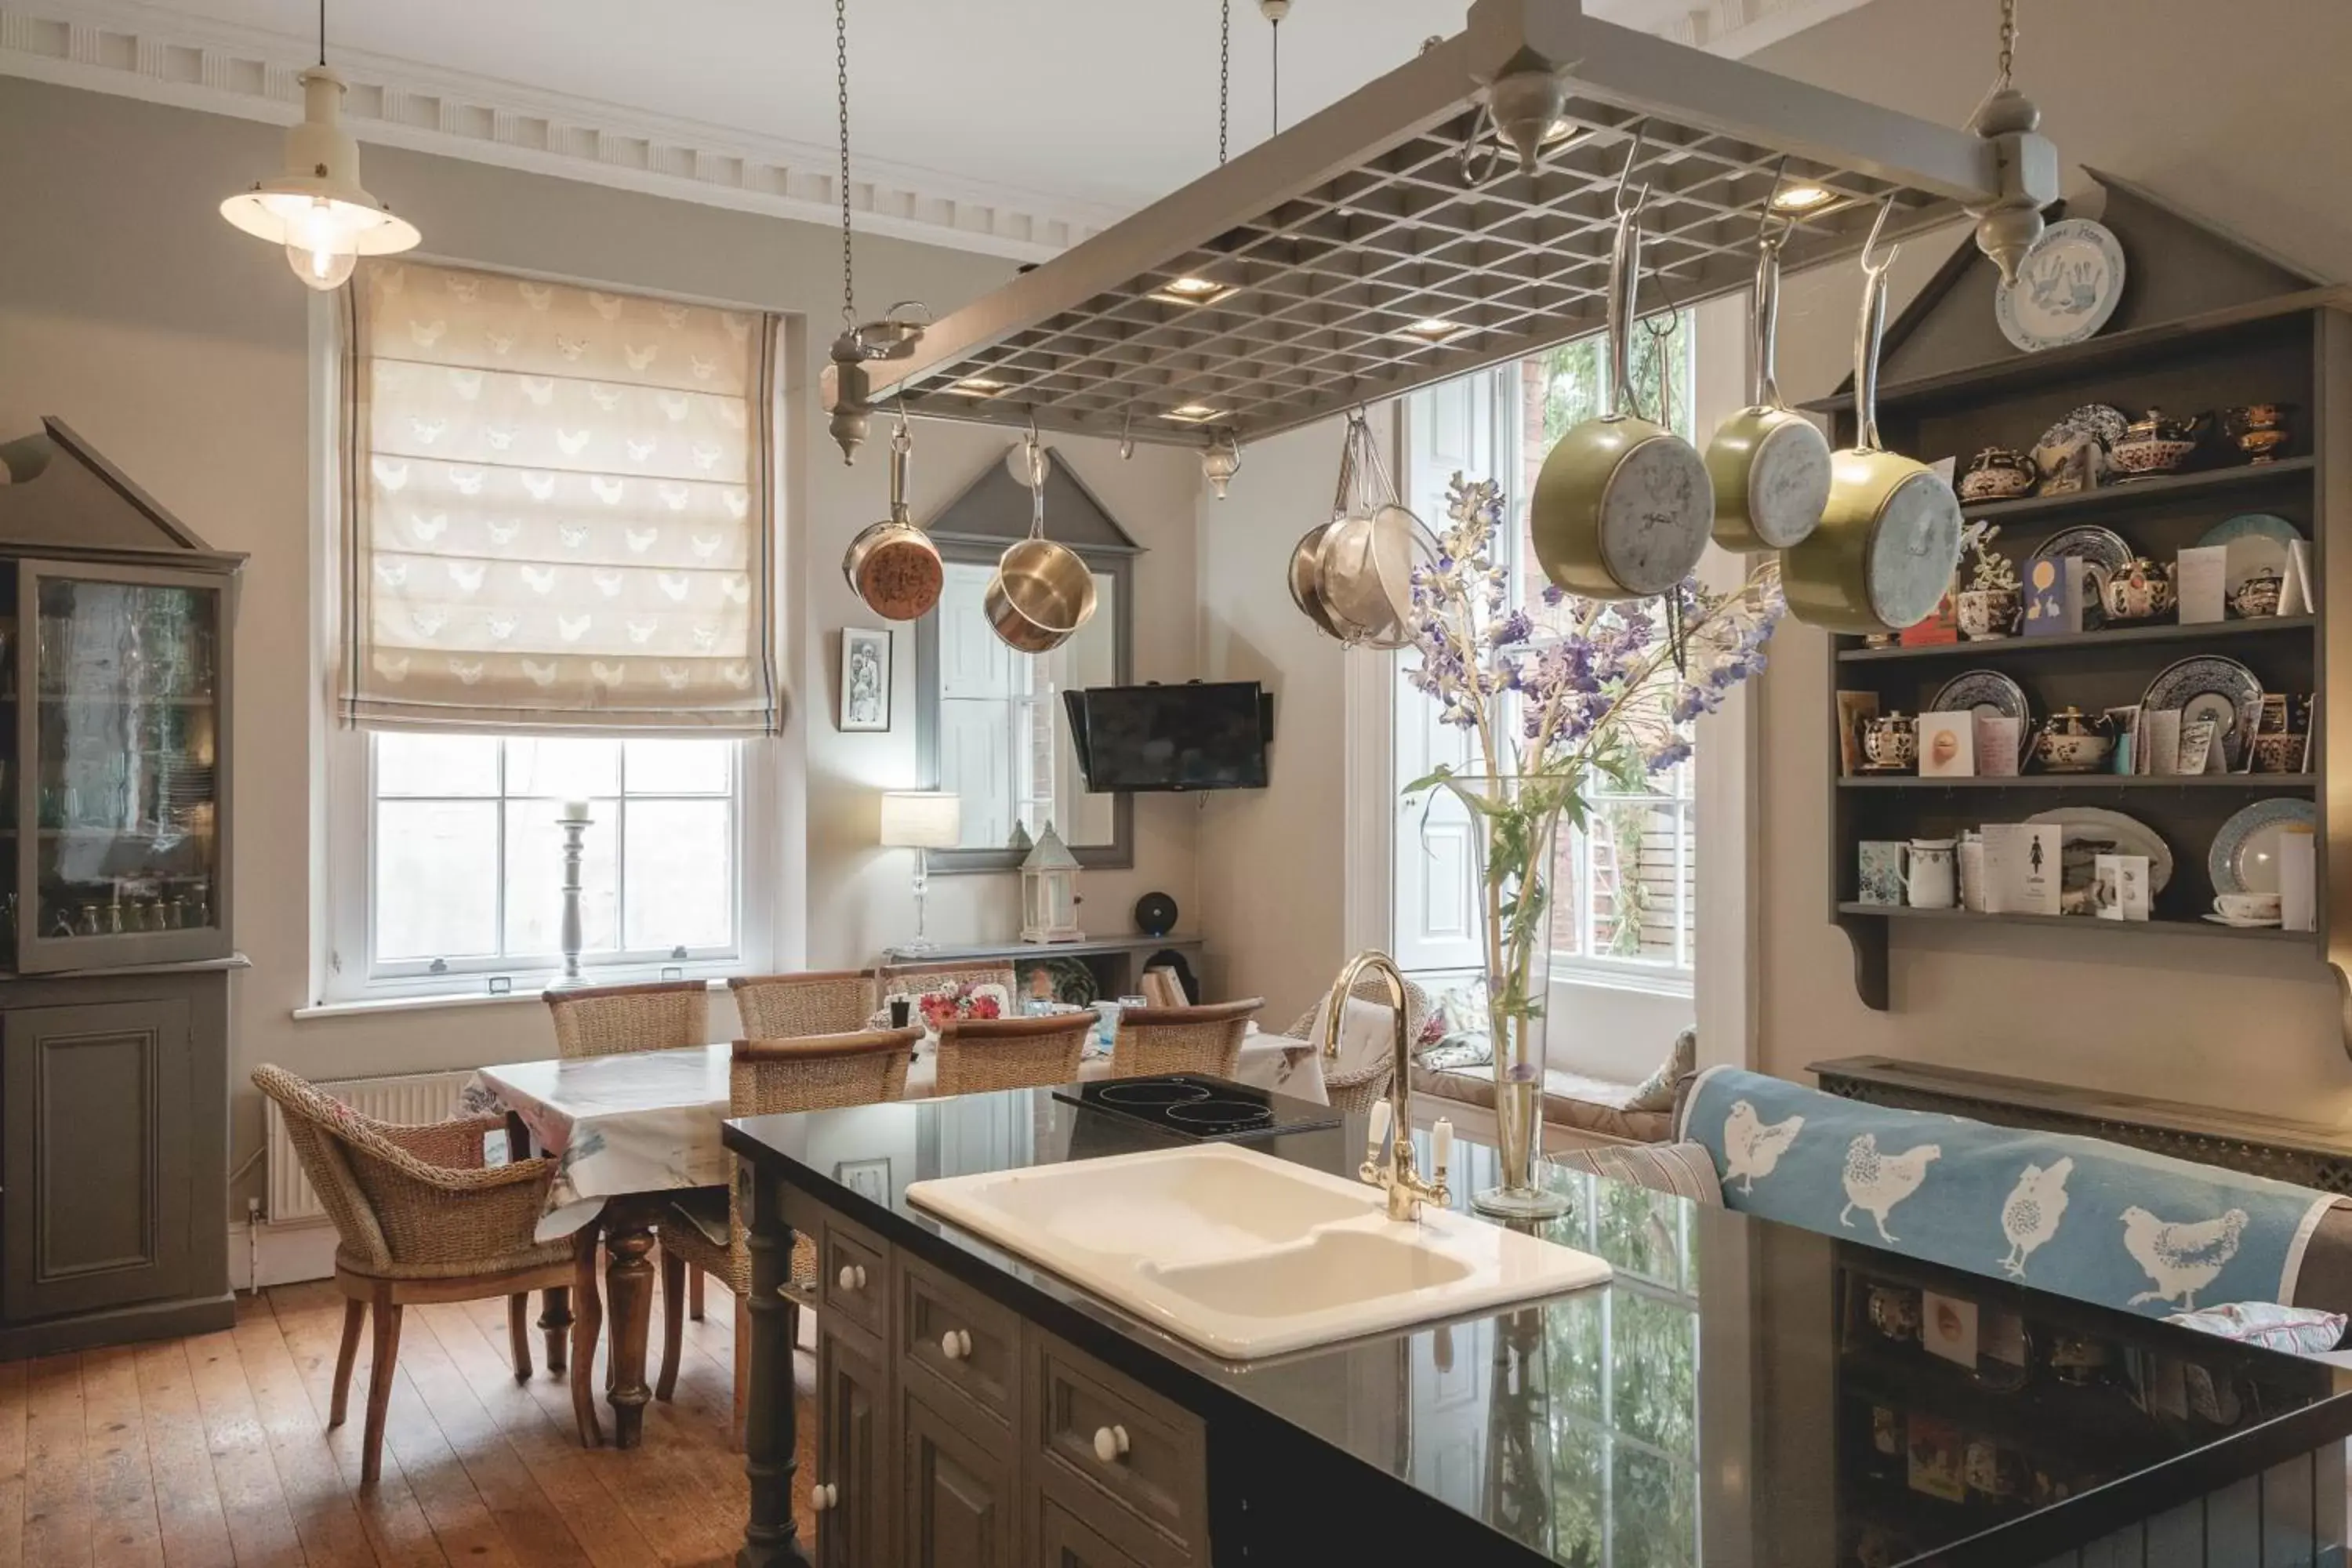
(322, 32)
(1224, 76)
(2008, 41)
(1275, 31)
(841, 93)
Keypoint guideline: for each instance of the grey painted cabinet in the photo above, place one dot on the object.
(96, 1202)
(958, 1481)
(853, 1453)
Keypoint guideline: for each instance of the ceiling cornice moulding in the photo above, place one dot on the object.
(137, 52)
(146, 52)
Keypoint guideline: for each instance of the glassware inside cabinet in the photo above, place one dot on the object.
(125, 751)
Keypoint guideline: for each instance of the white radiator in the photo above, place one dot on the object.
(410, 1099)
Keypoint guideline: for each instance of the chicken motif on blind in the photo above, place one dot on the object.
(1875, 1183)
(2181, 1259)
(2030, 1217)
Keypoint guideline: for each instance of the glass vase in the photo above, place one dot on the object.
(1514, 827)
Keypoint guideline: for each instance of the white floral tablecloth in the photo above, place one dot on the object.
(649, 1122)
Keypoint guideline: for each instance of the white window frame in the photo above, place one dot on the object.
(342, 892)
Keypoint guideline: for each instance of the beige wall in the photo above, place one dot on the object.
(2238, 113)
(180, 348)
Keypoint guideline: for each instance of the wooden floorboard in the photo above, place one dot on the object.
(213, 1452)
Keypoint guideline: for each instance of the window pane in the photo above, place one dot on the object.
(1635, 906)
(681, 767)
(681, 885)
(436, 764)
(436, 878)
(563, 769)
(535, 878)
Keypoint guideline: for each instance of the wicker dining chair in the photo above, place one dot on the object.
(792, 1006)
(1353, 1086)
(977, 1056)
(819, 1072)
(606, 1020)
(418, 1219)
(1182, 1039)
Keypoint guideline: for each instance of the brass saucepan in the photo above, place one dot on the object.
(893, 565)
(1890, 537)
(1770, 465)
(1621, 506)
(1041, 592)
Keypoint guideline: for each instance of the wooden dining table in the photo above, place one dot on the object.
(632, 1130)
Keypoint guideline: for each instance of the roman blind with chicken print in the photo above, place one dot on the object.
(557, 511)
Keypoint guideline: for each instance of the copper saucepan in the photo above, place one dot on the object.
(893, 565)
(1890, 537)
(1041, 592)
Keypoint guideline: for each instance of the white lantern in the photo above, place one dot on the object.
(1049, 894)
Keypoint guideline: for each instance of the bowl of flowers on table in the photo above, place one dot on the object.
(965, 999)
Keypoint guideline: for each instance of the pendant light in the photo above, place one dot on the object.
(317, 208)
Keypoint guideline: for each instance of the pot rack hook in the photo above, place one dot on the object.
(1127, 435)
(1627, 208)
(1473, 140)
(1873, 268)
(1773, 225)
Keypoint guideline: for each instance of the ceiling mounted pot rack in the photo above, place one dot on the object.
(1356, 256)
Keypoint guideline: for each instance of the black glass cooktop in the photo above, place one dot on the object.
(1196, 1106)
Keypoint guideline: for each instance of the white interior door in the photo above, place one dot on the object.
(1467, 425)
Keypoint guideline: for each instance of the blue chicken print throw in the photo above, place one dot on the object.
(2076, 1216)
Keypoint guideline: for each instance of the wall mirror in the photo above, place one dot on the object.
(990, 722)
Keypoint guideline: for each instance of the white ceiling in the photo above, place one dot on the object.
(1093, 103)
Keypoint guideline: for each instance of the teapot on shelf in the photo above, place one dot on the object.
(2138, 589)
(2155, 443)
(2071, 741)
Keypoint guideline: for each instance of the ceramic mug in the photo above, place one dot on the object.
(1928, 873)
(2246, 906)
(1989, 613)
(2278, 753)
(1890, 742)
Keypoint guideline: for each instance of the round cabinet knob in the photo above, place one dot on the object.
(852, 1277)
(822, 1497)
(955, 1345)
(1110, 1444)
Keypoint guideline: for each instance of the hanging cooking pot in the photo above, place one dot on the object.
(1041, 592)
(1364, 559)
(893, 565)
(1306, 568)
(1770, 465)
(1621, 506)
(1890, 537)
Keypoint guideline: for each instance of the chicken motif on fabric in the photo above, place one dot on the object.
(2030, 1214)
(2182, 1258)
(1875, 1183)
(1752, 1148)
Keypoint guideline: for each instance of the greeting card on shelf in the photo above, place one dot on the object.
(1881, 869)
(1997, 740)
(2053, 598)
(2296, 597)
(1942, 625)
(2201, 579)
(2298, 872)
(2022, 870)
(2160, 748)
(1854, 710)
(1947, 745)
(2120, 887)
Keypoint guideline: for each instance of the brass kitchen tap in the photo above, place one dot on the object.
(1398, 1176)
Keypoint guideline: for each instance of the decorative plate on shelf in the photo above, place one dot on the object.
(2270, 535)
(2066, 288)
(2244, 856)
(2130, 834)
(2103, 552)
(1072, 982)
(2208, 685)
(1988, 694)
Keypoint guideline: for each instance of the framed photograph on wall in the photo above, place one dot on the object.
(865, 680)
(869, 1179)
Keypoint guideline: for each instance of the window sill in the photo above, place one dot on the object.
(435, 1001)
(1610, 978)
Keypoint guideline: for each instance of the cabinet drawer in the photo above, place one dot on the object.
(1149, 1456)
(853, 1275)
(972, 1345)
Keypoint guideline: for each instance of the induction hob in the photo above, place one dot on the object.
(1198, 1107)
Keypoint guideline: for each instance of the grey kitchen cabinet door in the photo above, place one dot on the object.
(1064, 1540)
(958, 1508)
(99, 1179)
(853, 1456)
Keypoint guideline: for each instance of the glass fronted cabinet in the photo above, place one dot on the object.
(117, 766)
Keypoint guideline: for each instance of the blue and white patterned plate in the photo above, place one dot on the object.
(2209, 685)
(2066, 288)
(1988, 694)
(2244, 856)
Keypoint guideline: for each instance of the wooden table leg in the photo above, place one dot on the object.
(584, 1330)
(556, 1314)
(629, 1299)
(769, 1428)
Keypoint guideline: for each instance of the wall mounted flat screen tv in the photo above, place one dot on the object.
(1199, 735)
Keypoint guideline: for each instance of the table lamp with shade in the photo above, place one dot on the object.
(920, 820)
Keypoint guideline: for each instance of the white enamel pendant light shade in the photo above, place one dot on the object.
(316, 206)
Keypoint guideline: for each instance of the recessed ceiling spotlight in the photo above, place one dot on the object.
(1800, 198)
(1431, 330)
(1192, 414)
(976, 387)
(1191, 291)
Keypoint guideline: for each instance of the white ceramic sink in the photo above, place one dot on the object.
(1247, 1255)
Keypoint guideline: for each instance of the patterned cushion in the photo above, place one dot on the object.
(1570, 1099)
(1657, 1090)
(2298, 1331)
(1684, 1170)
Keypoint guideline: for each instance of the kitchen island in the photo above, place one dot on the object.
(1740, 1395)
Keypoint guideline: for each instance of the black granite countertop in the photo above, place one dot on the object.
(1732, 1396)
